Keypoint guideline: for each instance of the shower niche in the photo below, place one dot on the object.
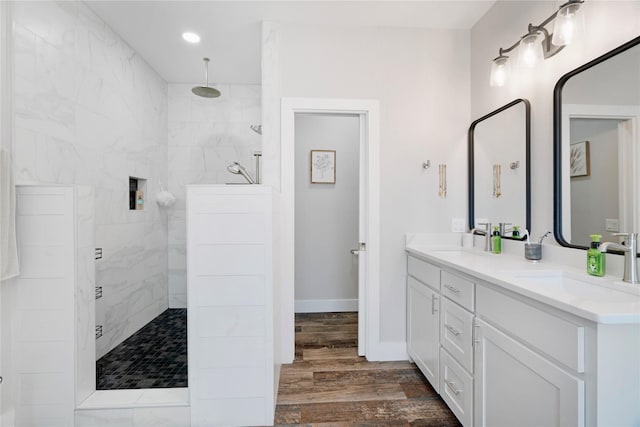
(137, 188)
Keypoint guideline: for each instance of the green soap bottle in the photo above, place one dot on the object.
(496, 241)
(595, 258)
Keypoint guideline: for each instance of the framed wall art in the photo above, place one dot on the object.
(323, 166)
(579, 159)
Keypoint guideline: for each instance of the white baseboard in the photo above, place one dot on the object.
(325, 305)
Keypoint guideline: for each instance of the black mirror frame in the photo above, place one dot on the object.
(471, 169)
(557, 140)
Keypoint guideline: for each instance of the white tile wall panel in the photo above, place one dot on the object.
(36, 357)
(40, 204)
(42, 294)
(230, 260)
(104, 418)
(229, 352)
(224, 412)
(232, 228)
(230, 290)
(240, 382)
(105, 119)
(231, 321)
(43, 340)
(205, 137)
(230, 305)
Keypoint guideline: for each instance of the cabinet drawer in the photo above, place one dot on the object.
(423, 271)
(557, 337)
(456, 326)
(457, 289)
(456, 388)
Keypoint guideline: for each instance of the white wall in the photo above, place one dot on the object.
(595, 197)
(421, 78)
(501, 26)
(88, 110)
(326, 273)
(205, 135)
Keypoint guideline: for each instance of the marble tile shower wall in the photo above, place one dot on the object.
(205, 135)
(89, 110)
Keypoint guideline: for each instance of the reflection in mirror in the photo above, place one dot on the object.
(596, 148)
(499, 186)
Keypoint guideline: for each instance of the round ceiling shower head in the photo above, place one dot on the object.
(206, 91)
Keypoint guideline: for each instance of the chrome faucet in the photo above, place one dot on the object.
(488, 247)
(630, 252)
(503, 228)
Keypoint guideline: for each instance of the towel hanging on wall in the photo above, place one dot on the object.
(8, 245)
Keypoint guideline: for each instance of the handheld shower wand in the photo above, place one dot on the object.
(236, 168)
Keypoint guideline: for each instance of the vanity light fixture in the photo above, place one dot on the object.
(538, 43)
(569, 23)
(530, 52)
(191, 37)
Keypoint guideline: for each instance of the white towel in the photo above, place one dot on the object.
(8, 245)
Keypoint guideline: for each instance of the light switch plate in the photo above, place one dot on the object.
(612, 224)
(457, 225)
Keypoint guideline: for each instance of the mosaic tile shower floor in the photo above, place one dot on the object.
(153, 357)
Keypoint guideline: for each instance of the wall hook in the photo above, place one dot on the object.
(514, 165)
(426, 165)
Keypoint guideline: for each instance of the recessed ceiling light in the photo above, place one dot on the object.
(191, 37)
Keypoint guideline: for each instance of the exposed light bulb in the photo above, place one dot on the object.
(500, 71)
(191, 37)
(530, 50)
(568, 24)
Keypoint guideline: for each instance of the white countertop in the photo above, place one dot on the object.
(600, 299)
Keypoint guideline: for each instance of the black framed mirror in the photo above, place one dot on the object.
(499, 168)
(596, 148)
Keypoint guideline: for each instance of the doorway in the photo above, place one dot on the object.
(367, 251)
(609, 133)
(326, 223)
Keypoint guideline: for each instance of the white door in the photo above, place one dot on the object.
(327, 229)
(423, 329)
(368, 224)
(516, 387)
(362, 237)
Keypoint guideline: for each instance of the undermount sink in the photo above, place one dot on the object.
(456, 252)
(567, 282)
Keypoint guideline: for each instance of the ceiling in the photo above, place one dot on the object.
(230, 30)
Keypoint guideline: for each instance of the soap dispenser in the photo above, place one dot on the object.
(496, 240)
(595, 258)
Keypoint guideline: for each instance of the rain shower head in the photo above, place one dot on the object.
(236, 168)
(206, 91)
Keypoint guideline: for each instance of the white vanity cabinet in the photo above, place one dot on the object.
(439, 329)
(508, 357)
(527, 358)
(516, 386)
(423, 318)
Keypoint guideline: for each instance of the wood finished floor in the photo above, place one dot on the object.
(329, 385)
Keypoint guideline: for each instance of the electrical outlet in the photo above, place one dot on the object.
(612, 224)
(457, 225)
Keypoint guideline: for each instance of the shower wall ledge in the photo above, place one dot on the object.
(136, 398)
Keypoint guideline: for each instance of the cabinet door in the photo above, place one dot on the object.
(423, 326)
(516, 387)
